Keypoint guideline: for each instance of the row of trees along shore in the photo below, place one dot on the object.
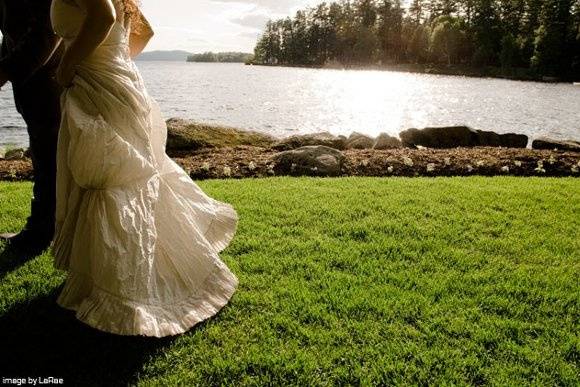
(517, 38)
(220, 57)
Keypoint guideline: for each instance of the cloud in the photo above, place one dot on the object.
(249, 35)
(273, 6)
(253, 20)
(214, 25)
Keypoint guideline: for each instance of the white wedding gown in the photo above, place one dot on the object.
(138, 238)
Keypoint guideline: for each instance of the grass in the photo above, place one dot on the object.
(353, 281)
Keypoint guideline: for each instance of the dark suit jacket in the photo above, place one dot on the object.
(28, 39)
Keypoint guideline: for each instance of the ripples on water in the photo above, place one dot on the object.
(284, 101)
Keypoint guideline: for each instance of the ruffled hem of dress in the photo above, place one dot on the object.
(223, 227)
(110, 313)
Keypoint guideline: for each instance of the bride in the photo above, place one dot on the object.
(138, 238)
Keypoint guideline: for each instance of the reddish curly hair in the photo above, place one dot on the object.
(132, 12)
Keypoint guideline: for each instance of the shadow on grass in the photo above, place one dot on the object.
(11, 259)
(38, 338)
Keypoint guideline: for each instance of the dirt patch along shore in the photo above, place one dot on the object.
(213, 151)
(244, 162)
(249, 161)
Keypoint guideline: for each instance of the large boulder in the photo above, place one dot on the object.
(322, 138)
(444, 137)
(309, 161)
(384, 141)
(185, 135)
(485, 138)
(359, 141)
(508, 140)
(512, 140)
(548, 143)
(460, 136)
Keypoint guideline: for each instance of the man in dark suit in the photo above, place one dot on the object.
(29, 56)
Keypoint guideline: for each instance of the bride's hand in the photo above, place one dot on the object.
(65, 74)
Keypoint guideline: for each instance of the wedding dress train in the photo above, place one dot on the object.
(138, 238)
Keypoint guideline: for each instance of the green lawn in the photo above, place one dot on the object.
(352, 281)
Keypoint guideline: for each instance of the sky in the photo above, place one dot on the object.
(213, 25)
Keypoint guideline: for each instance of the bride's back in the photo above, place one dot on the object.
(67, 19)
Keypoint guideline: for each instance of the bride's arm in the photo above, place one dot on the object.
(99, 19)
(140, 36)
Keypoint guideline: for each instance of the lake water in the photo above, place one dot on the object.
(285, 101)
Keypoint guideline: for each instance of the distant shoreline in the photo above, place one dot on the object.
(522, 74)
(514, 74)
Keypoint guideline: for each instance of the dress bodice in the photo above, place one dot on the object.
(67, 19)
(109, 68)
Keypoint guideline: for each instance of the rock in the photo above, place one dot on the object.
(384, 141)
(509, 140)
(189, 135)
(359, 141)
(548, 143)
(15, 154)
(309, 161)
(445, 137)
(460, 136)
(322, 138)
(488, 138)
(512, 140)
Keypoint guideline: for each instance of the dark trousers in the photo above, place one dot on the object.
(38, 101)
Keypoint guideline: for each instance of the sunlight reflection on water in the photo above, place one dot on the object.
(284, 101)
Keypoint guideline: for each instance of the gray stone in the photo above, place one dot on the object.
(488, 138)
(460, 136)
(509, 140)
(309, 161)
(359, 141)
(384, 141)
(548, 143)
(322, 138)
(512, 140)
(444, 137)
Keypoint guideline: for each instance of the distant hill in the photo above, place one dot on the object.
(221, 57)
(175, 55)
